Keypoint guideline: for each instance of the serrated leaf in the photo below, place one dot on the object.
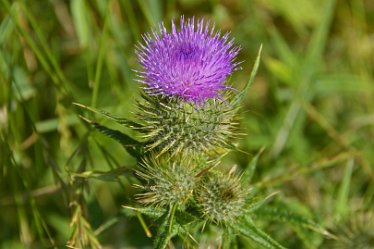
(258, 202)
(183, 218)
(132, 146)
(248, 229)
(132, 211)
(111, 175)
(186, 237)
(283, 215)
(152, 212)
(121, 121)
(166, 230)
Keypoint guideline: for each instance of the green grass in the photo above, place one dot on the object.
(311, 107)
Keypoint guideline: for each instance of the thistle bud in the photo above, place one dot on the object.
(221, 198)
(166, 183)
(176, 126)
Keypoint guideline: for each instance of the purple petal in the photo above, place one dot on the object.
(191, 63)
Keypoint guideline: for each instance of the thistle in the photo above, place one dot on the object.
(171, 125)
(221, 198)
(166, 183)
(187, 118)
(191, 63)
(184, 72)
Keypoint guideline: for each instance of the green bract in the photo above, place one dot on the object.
(176, 126)
(166, 183)
(221, 198)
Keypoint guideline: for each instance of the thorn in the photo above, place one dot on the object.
(202, 229)
(232, 169)
(86, 119)
(204, 171)
(271, 195)
(86, 107)
(78, 104)
(193, 239)
(131, 208)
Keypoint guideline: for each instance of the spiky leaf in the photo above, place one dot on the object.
(111, 175)
(283, 215)
(132, 146)
(123, 121)
(152, 212)
(167, 229)
(248, 229)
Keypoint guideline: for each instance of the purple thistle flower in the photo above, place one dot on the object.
(191, 63)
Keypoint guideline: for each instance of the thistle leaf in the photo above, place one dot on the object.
(166, 230)
(184, 218)
(257, 202)
(111, 175)
(152, 212)
(281, 214)
(132, 211)
(248, 229)
(132, 146)
(122, 121)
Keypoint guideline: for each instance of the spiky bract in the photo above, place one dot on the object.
(221, 198)
(191, 63)
(167, 183)
(172, 125)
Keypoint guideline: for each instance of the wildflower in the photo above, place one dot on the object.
(191, 63)
(221, 198)
(167, 183)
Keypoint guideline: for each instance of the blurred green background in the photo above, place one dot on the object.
(311, 107)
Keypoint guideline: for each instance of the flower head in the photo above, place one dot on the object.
(221, 197)
(167, 183)
(191, 63)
